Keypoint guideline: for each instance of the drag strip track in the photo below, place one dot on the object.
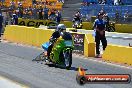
(16, 64)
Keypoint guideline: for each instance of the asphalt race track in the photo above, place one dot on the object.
(16, 64)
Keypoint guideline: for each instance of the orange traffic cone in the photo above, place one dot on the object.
(81, 71)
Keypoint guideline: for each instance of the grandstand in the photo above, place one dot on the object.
(88, 8)
(109, 2)
(93, 7)
(26, 3)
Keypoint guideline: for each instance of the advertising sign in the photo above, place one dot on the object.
(78, 43)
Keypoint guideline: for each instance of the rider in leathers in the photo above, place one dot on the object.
(61, 28)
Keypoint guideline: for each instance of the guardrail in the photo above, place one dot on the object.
(84, 43)
(118, 54)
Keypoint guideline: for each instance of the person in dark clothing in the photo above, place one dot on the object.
(58, 17)
(34, 1)
(61, 28)
(20, 8)
(99, 27)
(34, 11)
(106, 19)
(1, 21)
(11, 8)
(26, 13)
(15, 19)
(117, 16)
(46, 10)
(40, 13)
(30, 11)
(77, 17)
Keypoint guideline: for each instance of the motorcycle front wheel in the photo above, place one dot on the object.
(67, 56)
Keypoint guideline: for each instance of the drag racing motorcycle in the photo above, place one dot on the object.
(61, 54)
(77, 25)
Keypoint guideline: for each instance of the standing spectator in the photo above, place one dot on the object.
(46, 10)
(77, 17)
(15, 19)
(117, 16)
(79, 14)
(106, 19)
(26, 13)
(34, 11)
(58, 17)
(20, 9)
(34, 1)
(40, 12)
(1, 21)
(10, 12)
(126, 16)
(99, 27)
(12, 5)
(30, 11)
(11, 8)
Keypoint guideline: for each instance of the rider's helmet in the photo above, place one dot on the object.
(61, 28)
(77, 15)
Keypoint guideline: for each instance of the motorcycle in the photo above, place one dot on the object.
(61, 54)
(77, 25)
(110, 27)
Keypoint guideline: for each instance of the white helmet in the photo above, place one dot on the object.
(61, 27)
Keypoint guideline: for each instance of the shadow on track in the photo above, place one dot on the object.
(72, 68)
(53, 65)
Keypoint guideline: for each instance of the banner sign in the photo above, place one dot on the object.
(83, 78)
(35, 23)
(78, 43)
